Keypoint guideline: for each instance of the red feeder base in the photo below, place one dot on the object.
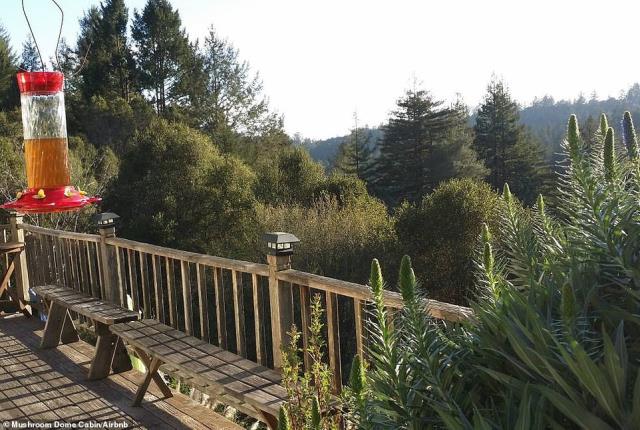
(47, 200)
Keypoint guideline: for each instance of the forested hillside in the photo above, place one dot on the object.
(545, 117)
(178, 137)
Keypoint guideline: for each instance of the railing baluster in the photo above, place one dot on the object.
(121, 276)
(257, 318)
(220, 309)
(305, 313)
(238, 311)
(90, 269)
(133, 279)
(358, 311)
(171, 292)
(202, 301)
(144, 284)
(82, 256)
(333, 346)
(186, 296)
(157, 284)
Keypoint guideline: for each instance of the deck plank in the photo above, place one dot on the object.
(45, 385)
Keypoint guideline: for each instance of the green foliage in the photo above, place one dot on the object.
(289, 176)
(509, 150)
(175, 183)
(423, 145)
(109, 70)
(440, 234)
(283, 419)
(609, 156)
(308, 389)
(629, 135)
(336, 239)
(355, 155)
(553, 342)
(29, 58)
(8, 61)
(161, 46)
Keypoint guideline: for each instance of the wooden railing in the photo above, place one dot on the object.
(244, 307)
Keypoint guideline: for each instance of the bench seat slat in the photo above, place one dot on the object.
(208, 365)
(83, 304)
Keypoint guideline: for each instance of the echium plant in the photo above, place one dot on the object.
(554, 342)
(310, 403)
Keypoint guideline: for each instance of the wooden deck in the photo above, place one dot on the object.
(51, 385)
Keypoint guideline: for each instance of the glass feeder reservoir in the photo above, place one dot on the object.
(46, 148)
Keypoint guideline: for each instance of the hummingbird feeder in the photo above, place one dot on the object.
(46, 148)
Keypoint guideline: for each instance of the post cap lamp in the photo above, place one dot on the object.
(105, 220)
(280, 243)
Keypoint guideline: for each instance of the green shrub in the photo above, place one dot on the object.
(337, 240)
(555, 339)
(175, 189)
(441, 232)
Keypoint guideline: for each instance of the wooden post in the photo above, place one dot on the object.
(280, 304)
(21, 274)
(109, 275)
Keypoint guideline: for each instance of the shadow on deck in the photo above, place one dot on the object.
(50, 385)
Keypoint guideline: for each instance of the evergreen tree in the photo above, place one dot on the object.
(423, 144)
(161, 47)
(30, 59)
(109, 69)
(356, 154)
(232, 102)
(8, 88)
(511, 153)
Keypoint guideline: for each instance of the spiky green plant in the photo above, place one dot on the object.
(310, 404)
(283, 419)
(609, 156)
(555, 338)
(629, 136)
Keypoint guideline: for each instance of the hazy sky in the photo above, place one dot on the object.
(322, 60)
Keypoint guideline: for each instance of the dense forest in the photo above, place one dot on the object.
(178, 137)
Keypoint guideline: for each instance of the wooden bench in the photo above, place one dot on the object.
(110, 353)
(229, 378)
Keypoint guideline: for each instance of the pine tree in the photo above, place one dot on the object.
(8, 88)
(509, 150)
(423, 144)
(161, 46)
(355, 155)
(109, 69)
(29, 58)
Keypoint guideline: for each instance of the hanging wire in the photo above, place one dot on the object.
(57, 53)
(59, 31)
(33, 36)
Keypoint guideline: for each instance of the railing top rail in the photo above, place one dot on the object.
(192, 257)
(60, 234)
(5, 226)
(441, 310)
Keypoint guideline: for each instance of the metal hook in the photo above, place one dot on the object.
(34, 36)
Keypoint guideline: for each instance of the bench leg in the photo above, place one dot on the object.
(272, 422)
(53, 328)
(146, 360)
(69, 333)
(121, 361)
(151, 370)
(105, 347)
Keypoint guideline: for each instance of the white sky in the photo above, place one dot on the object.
(322, 60)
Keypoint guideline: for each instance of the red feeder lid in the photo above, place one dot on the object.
(40, 82)
(48, 200)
